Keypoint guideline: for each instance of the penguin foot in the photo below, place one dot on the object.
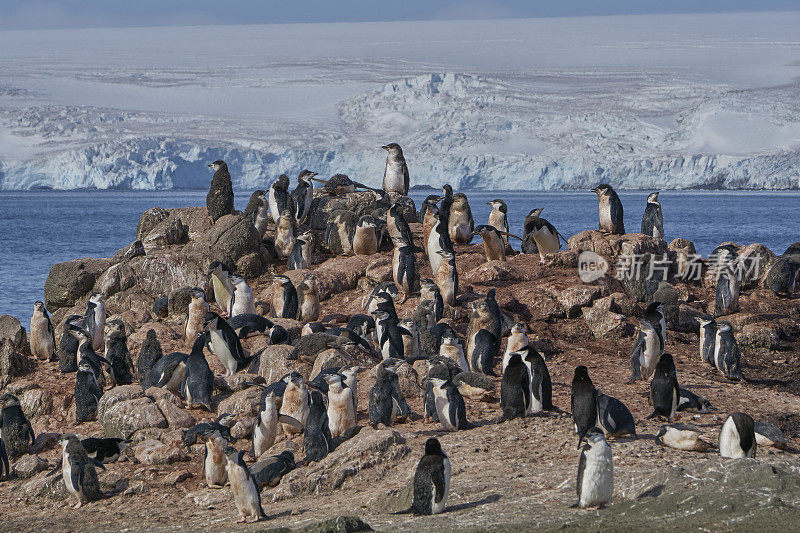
(78, 505)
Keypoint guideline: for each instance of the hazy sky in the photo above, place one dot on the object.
(28, 14)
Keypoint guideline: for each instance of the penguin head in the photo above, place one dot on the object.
(226, 419)
(460, 201)
(705, 322)
(604, 189)
(661, 432)
(295, 378)
(450, 340)
(652, 198)
(197, 293)
(655, 308)
(518, 328)
(68, 439)
(367, 222)
(446, 254)
(218, 164)
(536, 213)
(210, 320)
(431, 201)
(79, 333)
(38, 305)
(237, 280)
(645, 325)
(723, 327)
(114, 327)
(666, 364)
(333, 380)
(84, 366)
(447, 190)
(393, 149)
(307, 237)
(437, 382)
(305, 175)
(287, 456)
(581, 374)
(595, 437)
(96, 298)
(432, 447)
(217, 268)
(515, 359)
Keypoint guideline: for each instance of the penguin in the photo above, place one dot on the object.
(475, 386)
(655, 315)
(250, 324)
(87, 393)
(78, 471)
(149, 353)
(398, 228)
(279, 198)
(693, 403)
(708, 339)
(386, 400)
(645, 353)
(444, 371)
(95, 319)
(408, 330)
(653, 219)
(365, 238)
(483, 352)
(461, 224)
(362, 324)
(428, 215)
(516, 342)
(446, 277)
(498, 217)
(395, 175)
(285, 234)
(611, 212)
(726, 299)
(737, 439)
(269, 472)
(404, 270)
(664, 390)
(219, 200)
(295, 403)
(308, 347)
(87, 353)
(245, 492)
(195, 314)
(783, 277)
(350, 378)
(214, 461)
(595, 485)
(614, 417)
(685, 437)
(15, 429)
(431, 480)
(770, 435)
(339, 184)
(444, 209)
(297, 259)
(198, 381)
(161, 308)
(339, 232)
(303, 194)
(117, 353)
(485, 315)
(104, 450)
(341, 405)
(265, 426)
(223, 287)
(242, 300)
(727, 357)
(540, 385)
(438, 240)
(390, 339)
(222, 424)
(5, 469)
(515, 391)
(544, 234)
(384, 291)
(493, 244)
(317, 440)
(224, 343)
(168, 371)
(528, 242)
(285, 302)
(42, 336)
(583, 403)
(308, 299)
(451, 349)
(450, 407)
(429, 292)
(68, 346)
(257, 211)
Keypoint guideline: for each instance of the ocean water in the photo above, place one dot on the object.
(41, 228)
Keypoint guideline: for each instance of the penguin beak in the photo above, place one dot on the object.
(385, 147)
(595, 190)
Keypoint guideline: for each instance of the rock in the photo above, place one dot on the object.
(238, 240)
(68, 281)
(44, 486)
(252, 265)
(339, 524)
(409, 381)
(492, 271)
(153, 452)
(135, 488)
(687, 319)
(396, 500)
(274, 363)
(293, 327)
(243, 428)
(160, 394)
(179, 300)
(116, 395)
(124, 418)
(759, 336)
(12, 331)
(330, 358)
(379, 270)
(681, 251)
(45, 442)
(668, 296)
(360, 202)
(149, 220)
(119, 277)
(170, 437)
(208, 498)
(177, 477)
(36, 402)
(12, 363)
(116, 480)
(236, 382)
(340, 274)
(29, 465)
(577, 296)
(610, 246)
(176, 417)
(606, 324)
(756, 260)
(164, 271)
(135, 249)
(241, 403)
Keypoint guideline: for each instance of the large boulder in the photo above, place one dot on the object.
(668, 296)
(176, 417)
(153, 452)
(604, 323)
(575, 297)
(12, 363)
(232, 238)
(164, 271)
(242, 403)
(12, 331)
(68, 281)
(149, 220)
(756, 260)
(117, 278)
(117, 395)
(29, 465)
(359, 202)
(613, 245)
(274, 363)
(135, 249)
(124, 418)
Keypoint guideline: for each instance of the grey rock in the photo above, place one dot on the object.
(68, 281)
(149, 220)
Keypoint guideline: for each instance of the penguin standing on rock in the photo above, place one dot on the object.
(404, 270)
(317, 440)
(493, 244)
(87, 393)
(214, 461)
(611, 212)
(68, 346)
(295, 404)
(42, 336)
(431, 480)
(149, 354)
(279, 198)
(595, 472)
(498, 217)
(78, 471)
(483, 352)
(303, 194)
(224, 343)
(219, 199)
(15, 429)
(726, 300)
(5, 469)
(365, 238)
(308, 299)
(285, 234)
(446, 277)
(664, 390)
(646, 351)
(583, 403)
(245, 492)
(285, 302)
(737, 438)
(95, 320)
(544, 234)
(653, 219)
(198, 382)
(87, 353)
(395, 176)
(461, 224)
(195, 314)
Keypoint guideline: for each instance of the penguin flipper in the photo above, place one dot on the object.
(97, 463)
(437, 478)
(286, 419)
(581, 468)
(52, 471)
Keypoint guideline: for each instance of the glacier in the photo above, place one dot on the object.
(654, 102)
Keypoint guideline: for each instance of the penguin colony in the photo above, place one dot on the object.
(324, 409)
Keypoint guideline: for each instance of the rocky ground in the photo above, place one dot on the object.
(510, 476)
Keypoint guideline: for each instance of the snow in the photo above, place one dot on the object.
(669, 101)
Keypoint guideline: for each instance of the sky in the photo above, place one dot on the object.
(53, 14)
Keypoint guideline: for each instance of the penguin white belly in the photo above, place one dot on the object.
(261, 222)
(243, 301)
(546, 241)
(221, 293)
(650, 355)
(265, 432)
(341, 412)
(598, 479)
(214, 470)
(344, 239)
(273, 206)
(443, 410)
(222, 351)
(433, 246)
(394, 180)
(245, 494)
(729, 443)
(67, 475)
(437, 508)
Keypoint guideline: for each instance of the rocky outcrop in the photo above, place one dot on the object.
(153, 452)
(149, 220)
(604, 323)
(12, 363)
(124, 418)
(12, 331)
(274, 362)
(29, 465)
(575, 297)
(70, 280)
(613, 245)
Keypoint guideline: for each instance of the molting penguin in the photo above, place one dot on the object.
(664, 390)
(614, 417)
(446, 277)
(450, 407)
(515, 394)
(653, 219)
(303, 194)
(224, 343)
(483, 352)
(583, 403)
(485, 315)
(243, 301)
(398, 228)
(516, 341)
(214, 461)
(708, 336)
(611, 213)
(285, 234)
(219, 200)
(783, 277)
(87, 353)
(365, 238)
(279, 198)
(117, 353)
(431, 480)
(727, 357)
(341, 405)
(498, 217)
(149, 354)
(543, 233)
(461, 223)
(104, 450)
(245, 492)
(308, 299)
(429, 292)
(408, 330)
(78, 471)
(15, 429)
(451, 349)
(42, 336)
(339, 232)
(195, 314)
(737, 438)
(295, 403)
(404, 270)
(198, 383)
(386, 400)
(265, 426)
(285, 302)
(693, 403)
(726, 299)
(493, 244)
(87, 393)
(68, 345)
(685, 437)
(339, 184)
(95, 319)
(395, 175)
(300, 256)
(595, 472)
(258, 212)
(317, 440)
(223, 287)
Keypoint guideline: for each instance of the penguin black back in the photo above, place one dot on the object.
(664, 390)
(583, 403)
(198, 382)
(149, 354)
(514, 391)
(431, 480)
(15, 429)
(317, 441)
(219, 200)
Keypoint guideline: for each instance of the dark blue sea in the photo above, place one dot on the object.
(40, 228)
